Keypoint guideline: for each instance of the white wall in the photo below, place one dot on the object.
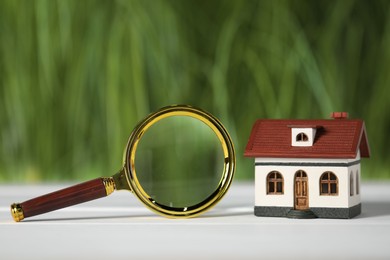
(313, 173)
(355, 199)
(310, 133)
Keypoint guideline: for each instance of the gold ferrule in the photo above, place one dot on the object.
(17, 212)
(109, 184)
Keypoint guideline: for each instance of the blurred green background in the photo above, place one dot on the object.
(76, 76)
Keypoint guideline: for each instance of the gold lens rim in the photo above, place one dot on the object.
(229, 161)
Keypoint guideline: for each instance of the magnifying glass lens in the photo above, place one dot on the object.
(179, 161)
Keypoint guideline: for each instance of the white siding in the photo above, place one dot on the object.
(309, 132)
(355, 199)
(342, 200)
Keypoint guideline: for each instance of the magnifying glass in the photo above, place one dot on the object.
(179, 162)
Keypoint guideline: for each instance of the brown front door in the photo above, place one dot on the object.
(301, 199)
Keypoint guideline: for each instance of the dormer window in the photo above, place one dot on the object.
(303, 136)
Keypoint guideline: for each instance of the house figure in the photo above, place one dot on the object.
(308, 168)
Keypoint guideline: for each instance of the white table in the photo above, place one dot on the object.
(119, 227)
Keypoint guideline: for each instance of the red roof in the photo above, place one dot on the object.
(335, 138)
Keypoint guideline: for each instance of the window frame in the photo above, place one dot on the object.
(275, 177)
(357, 182)
(351, 184)
(301, 137)
(329, 181)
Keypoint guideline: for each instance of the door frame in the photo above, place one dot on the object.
(301, 190)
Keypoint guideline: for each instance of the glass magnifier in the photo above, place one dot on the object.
(179, 162)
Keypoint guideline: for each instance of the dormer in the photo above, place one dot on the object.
(303, 135)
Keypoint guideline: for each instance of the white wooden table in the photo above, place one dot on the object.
(119, 227)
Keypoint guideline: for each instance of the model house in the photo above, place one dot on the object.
(308, 168)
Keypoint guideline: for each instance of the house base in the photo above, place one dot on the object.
(342, 213)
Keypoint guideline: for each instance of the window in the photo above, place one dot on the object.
(301, 174)
(329, 184)
(274, 183)
(357, 182)
(351, 186)
(302, 137)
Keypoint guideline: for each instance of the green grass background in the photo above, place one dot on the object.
(76, 76)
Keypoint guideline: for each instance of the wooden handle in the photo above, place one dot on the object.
(77, 194)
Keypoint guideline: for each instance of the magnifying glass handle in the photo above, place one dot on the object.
(83, 192)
